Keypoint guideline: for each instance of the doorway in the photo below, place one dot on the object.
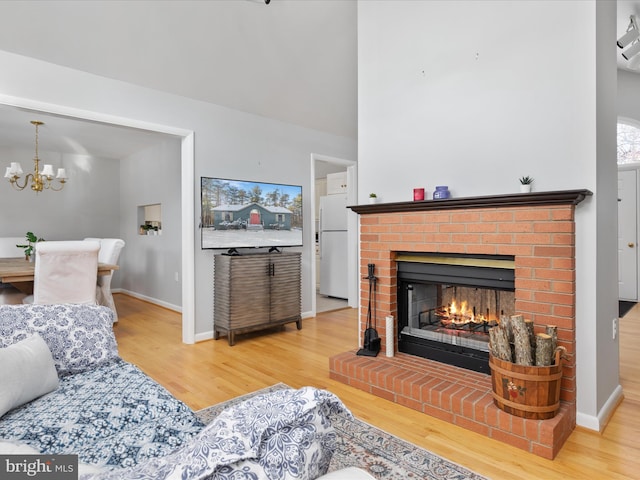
(628, 160)
(187, 163)
(334, 265)
(627, 235)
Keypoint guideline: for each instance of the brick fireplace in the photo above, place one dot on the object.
(538, 231)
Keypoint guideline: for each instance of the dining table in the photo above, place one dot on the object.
(20, 272)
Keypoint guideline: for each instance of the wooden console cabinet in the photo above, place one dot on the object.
(256, 291)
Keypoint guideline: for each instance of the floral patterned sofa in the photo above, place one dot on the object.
(65, 390)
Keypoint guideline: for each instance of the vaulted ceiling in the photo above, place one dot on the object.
(291, 60)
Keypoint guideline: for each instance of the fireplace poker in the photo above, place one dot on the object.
(371, 341)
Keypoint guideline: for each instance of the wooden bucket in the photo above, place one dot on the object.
(529, 392)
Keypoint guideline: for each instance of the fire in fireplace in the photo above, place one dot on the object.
(447, 303)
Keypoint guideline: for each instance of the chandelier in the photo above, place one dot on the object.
(40, 180)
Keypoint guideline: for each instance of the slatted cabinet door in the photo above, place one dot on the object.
(241, 293)
(286, 299)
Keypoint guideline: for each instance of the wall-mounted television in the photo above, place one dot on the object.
(245, 214)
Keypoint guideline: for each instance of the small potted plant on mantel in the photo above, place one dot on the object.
(373, 198)
(29, 248)
(525, 184)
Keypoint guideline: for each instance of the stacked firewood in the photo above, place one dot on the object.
(515, 341)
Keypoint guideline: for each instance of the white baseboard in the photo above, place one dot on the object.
(170, 306)
(598, 422)
(201, 337)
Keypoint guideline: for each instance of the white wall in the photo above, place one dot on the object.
(228, 144)
(460, 94)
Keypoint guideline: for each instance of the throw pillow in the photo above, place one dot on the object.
(80, 337)
(27, 372)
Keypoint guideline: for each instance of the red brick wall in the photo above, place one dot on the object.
(542, 239)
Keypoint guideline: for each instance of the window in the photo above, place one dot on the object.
(628, 144)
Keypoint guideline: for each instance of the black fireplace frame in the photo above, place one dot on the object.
(483, 271)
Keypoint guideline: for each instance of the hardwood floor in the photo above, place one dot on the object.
(210, 372)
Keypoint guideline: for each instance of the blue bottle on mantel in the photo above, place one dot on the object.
(442, 192)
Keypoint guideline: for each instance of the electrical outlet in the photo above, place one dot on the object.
(615, 328)
(177, 277)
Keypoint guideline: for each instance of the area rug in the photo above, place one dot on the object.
(362, 445)
(624, 307)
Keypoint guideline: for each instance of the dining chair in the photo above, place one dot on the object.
(10, 295)
(65, 272)
(109, 253)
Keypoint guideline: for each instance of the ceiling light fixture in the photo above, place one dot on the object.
(631, 51)
(631, 35)
(39, 180)
(631, 39)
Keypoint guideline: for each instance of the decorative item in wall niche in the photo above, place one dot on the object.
(373, 198)
(525, 184)
(418, 194)
(150, 228)
(441, 192)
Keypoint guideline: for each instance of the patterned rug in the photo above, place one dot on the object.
(362, 445)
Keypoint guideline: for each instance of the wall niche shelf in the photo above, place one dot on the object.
(150, 219)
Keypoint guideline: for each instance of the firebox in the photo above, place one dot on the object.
(448, 302)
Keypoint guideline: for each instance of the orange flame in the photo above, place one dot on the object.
(461, 314)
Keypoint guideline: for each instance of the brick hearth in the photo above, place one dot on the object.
(539, 231)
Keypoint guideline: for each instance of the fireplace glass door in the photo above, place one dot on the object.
(445, 311)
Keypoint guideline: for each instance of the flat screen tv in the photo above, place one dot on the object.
(245, 214)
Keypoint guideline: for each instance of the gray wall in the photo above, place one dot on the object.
(628, 101)
(101, 200)
(86, 207)
(150, 263)
(228, 144)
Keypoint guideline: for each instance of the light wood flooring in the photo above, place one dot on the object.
(210, 372)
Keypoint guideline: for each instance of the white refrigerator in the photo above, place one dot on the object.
(332, 244)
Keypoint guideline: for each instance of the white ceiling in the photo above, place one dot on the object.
(291, 60)
(69, 135)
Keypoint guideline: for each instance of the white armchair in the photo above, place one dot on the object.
(65, 272)
(110, 249)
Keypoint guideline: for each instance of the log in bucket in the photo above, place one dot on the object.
(526, 391)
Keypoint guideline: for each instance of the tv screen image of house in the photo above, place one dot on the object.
(246, 214)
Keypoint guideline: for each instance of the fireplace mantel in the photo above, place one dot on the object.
(561, 197)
